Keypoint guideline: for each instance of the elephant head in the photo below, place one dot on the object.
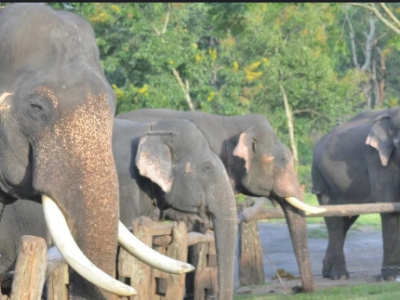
(269, 172)
(56, 119)
(384, 135)
(176, 155)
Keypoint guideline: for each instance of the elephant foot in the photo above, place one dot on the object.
(390, 273)
(336, 273)
(340, 275)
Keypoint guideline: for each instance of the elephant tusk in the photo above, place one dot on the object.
(149, 256)
(308, 209)
(68, 248)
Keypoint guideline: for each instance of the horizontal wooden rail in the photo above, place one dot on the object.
(259, 213)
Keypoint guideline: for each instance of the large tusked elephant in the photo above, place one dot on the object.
(56, 114)
(257, 163)
(359, 162)
(180, 173)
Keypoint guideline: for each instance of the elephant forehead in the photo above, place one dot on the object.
(84, 132)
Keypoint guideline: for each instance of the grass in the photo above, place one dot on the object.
(377, 291)
(318, 233)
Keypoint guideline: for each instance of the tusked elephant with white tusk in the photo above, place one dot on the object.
(166, 165)
(56, 120)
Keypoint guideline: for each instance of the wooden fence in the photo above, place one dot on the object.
(172, 240)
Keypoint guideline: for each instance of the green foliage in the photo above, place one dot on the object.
(318, 233)
(232, 58)
(304, 175)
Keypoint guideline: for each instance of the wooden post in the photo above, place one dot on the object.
(30, 269)
(169, 286)
(130, 267)
(206, 281)
(251, 267)
(178, 250)
(57, 284)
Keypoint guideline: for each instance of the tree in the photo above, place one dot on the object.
(231, 58)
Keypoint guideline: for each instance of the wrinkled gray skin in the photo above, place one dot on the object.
(189, 178)
(359, 162)
(257, 163)
(56, 114)
(22, 217)
(179, 154)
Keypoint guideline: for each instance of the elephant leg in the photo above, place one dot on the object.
(391, 246)
(347, 222)
(334, 263)
(193, 257)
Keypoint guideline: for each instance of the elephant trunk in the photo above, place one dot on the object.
(74, 166)
(298, 232)
(287, 186)
(224, 218)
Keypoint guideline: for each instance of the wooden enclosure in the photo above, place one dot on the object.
(173, 240)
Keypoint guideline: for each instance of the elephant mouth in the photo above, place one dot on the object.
(70, 251)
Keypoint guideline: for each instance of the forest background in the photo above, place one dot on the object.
(307, 67)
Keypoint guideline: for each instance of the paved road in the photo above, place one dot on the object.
(363, 249)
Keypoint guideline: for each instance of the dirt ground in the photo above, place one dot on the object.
(363, 251)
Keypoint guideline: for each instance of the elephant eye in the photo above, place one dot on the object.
(37, 107)
(207, 166)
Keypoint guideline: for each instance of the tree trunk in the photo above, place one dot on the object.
(289, 117)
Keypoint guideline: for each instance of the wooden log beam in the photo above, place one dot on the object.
(30, 269)
(193, 239)
(251, 267)
(332, 211)
(130, 267)
(177, 250)
(162, 240)
(161, 228)
(246, 213)
(197, 237)
(57, 284)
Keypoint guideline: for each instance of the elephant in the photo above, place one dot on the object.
(359, 162)
(56, 119)
(170, 163)
(258, 165)
(165, 164)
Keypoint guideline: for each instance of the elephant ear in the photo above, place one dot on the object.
(246, 146)
(154, 158)
(379, 138)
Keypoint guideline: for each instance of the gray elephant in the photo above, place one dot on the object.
(359, 162)
(56, 114)
(189, 177)
(167, 164)
(257, 163)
